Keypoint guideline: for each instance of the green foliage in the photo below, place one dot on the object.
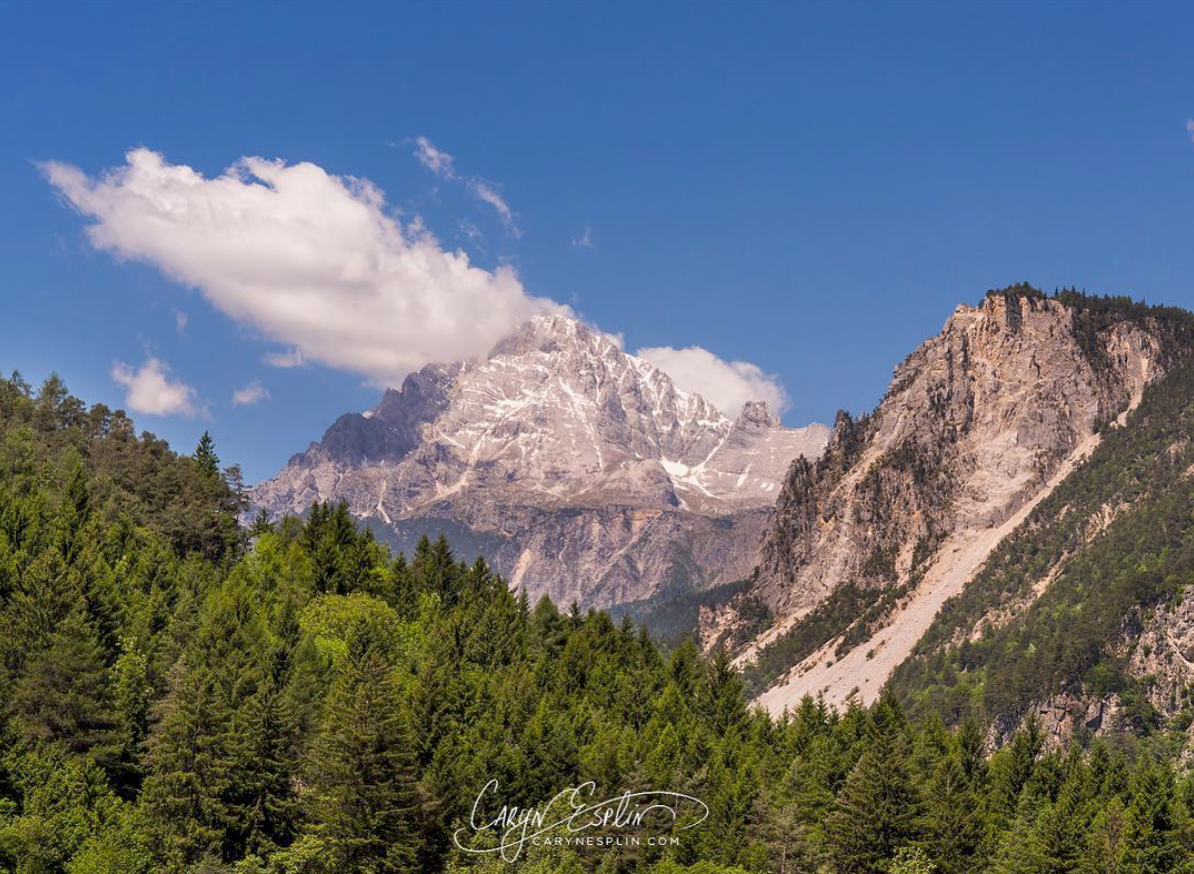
(180, 697)
(1065, 642)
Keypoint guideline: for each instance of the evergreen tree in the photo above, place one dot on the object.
(362, 800)
(724, 703)
(1150, 842)
(131, 693)
(63, 695)
(876, 810)
(953, 824)
(1104, 841)
(187, 780)
(261, 523)
(206, 458)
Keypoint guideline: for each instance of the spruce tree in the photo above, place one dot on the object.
(206, 458)
(131, 693)
(63, 696)
(183, 794)
(877, 809)
(1150, 839)
(362, 801)
(953, 825)
(723, 699)
(261, 523)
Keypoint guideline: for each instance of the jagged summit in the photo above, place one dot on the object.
(556, 418)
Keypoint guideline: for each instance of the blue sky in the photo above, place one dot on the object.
(810, 188)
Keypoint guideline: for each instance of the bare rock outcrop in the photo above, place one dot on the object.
(977, 424)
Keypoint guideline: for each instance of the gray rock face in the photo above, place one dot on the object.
(973, 424)
(979, 424)
(600, 479)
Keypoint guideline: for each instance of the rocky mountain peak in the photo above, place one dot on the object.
(756, 415)
(553, 334)
(556, 423)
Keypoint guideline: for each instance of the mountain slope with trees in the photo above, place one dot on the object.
(909, 503)
(180, 695)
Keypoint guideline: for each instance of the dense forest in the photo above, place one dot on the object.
(182, 694)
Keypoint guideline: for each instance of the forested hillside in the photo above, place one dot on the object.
(180, 695)
(1060, 606)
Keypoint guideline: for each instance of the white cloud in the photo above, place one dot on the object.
(285, 360)
(310, 259)
(585, 240)
(485, 192)
(150, 389)
(728, 385)
(180, 321)
(1190, 128)
(253, 393)
(438, 162)
(443, 165)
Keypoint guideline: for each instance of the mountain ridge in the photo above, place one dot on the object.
(908, 502)
(602, 480)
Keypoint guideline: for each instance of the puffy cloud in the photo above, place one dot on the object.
(584, 240)
(253, 393)
(1190, 128)
(150, 389)
(728, 385)
(310, 259)
(443, 165)
(180, 321)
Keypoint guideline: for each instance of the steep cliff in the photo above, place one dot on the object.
(979, 425)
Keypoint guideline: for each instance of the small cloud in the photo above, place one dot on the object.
(1190, 128)
(470, 230)
(443, 165)
(150, 389)
(618, 339)
(180, 321)
(585, 240)
(487, 194)
(285, 360)
(253, 393)
(728, 385)
(438, 162)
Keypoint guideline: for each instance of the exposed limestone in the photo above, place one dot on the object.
(977, 426)
(587, 474)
